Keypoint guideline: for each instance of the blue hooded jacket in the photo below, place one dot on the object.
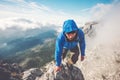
(62, 42)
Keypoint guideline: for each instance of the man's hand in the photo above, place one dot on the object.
(82, 58)
(57, 68)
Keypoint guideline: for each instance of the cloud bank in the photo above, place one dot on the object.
(108, 29)
(39, 14)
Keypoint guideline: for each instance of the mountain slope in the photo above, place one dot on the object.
(20, 44)
(102, 61)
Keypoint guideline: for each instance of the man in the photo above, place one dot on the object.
(69, 39)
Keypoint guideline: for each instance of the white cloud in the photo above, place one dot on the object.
(3, 45)
(100, 10)
(96, 12)
(108, 29)
(15, 0)
(20, 23)
(35, 6)
(84, 10)
(45, 15)
(32, 11)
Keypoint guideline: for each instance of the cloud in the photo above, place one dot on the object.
(20, 23)
(33, 11)
(3, 45)
(23, 20)
(15, 1)
(22, 6)
(41, 7)
(100, 10)
(96, 12)
(84, 10)
(108, 30)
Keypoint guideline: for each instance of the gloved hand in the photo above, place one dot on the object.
(57, 68)
(82, 58)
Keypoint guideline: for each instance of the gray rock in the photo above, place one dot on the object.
(31, 74)
(68, 72)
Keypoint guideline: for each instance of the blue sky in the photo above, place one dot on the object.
(68, 6)
(55, 11)
(72, 6)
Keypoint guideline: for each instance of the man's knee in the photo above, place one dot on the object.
(75, 58)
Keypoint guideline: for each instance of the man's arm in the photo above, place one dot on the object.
(58, 54)
(82, 44)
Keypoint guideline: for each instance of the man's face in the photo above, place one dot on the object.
(70, 35)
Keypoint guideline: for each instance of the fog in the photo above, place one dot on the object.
(103, 50)
(108, 28)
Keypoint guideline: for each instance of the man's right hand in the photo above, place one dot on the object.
(57, 68)
(82, 58)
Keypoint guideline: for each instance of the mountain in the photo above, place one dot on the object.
(36, 56)
(30, 48)
(102, 60)
(102, 52)
(25, 40)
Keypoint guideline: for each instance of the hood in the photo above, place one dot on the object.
(69, 25)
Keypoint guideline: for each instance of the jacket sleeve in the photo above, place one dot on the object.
(82, 43)
(58, 51)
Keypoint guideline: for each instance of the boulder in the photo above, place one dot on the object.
(68, 72)
(31, 74)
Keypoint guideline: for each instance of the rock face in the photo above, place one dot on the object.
(102, 61)
(10, 71)
(31, 74)
(68, 72)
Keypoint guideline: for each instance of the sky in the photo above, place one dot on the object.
(45, 12)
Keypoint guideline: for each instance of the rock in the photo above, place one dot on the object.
(10, 71)
(31, 74)
(68, 72)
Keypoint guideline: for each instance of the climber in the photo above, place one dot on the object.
(70, 39)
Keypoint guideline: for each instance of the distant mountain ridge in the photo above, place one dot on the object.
(27, 41)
